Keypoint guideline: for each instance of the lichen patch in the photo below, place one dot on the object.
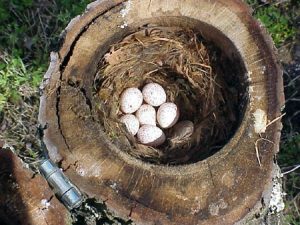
(126, 10)
(45, 203)
(276, 202)
(214, 208)
(260, 121)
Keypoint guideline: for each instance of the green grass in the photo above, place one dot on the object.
(29, 30)
(279, 19)
(278, 24)
(13, 76)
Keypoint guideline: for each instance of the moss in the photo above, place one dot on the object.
(279, 19)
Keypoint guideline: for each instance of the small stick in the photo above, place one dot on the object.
(257, 150)
(292, 170)
(264, 139)
(278, 118)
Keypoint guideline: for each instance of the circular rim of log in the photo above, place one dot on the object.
(175, 196)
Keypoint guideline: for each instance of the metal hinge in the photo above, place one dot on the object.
(67, 192)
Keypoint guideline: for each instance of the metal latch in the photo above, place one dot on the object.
(62, 186)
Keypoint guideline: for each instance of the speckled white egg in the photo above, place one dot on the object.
(167, 115)
(151, 135)
(154, 94)
(131, 122)
(146, 114)
(131, 100)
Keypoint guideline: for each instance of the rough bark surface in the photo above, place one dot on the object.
(229, 187)
(25, 198)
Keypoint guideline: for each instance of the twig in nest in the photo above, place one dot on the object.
(140, 42)
(168, 40)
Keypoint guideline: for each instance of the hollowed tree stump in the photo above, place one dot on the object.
(229, 186)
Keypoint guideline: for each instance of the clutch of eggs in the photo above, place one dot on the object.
(143, 123)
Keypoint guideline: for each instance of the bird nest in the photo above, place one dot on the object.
(197, 77)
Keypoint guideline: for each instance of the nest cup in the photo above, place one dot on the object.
(202, 77)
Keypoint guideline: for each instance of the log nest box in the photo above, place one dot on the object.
(215, 61)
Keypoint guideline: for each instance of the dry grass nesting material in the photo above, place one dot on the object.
(190, 71)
